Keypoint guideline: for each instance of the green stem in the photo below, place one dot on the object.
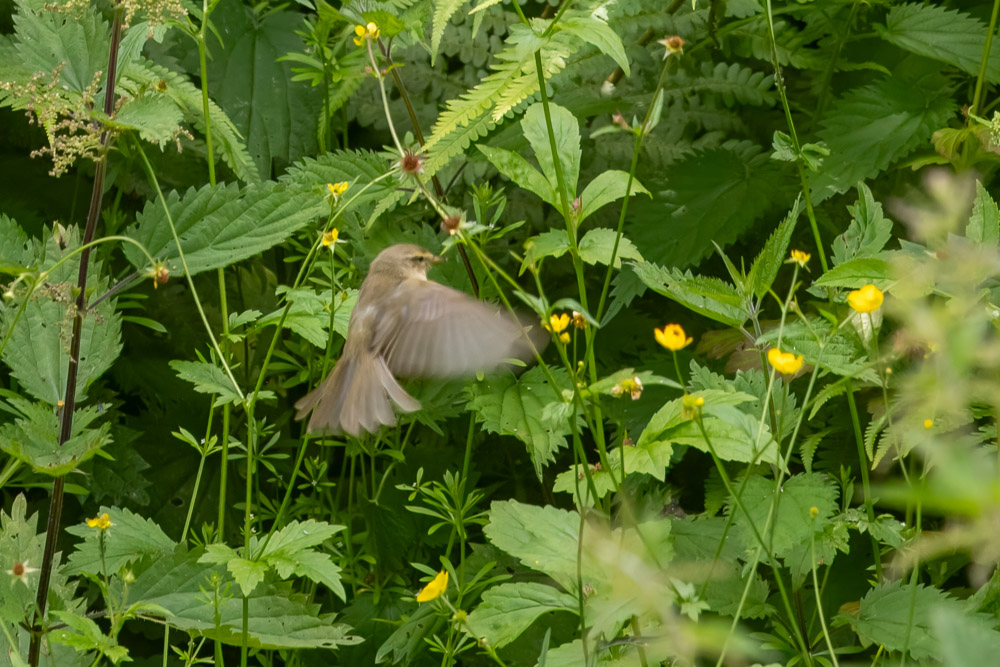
(866, 486)
(819, 601)
(984, 62)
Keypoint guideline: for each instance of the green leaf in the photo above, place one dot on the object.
(943, 34)
(443, 10)
(130, 539)
(597, 245)
(794, 524)
(566, 131)
(893, 612)
(154, 116)
(508, 610)
(765, 267)
(222, 225)
(19, 542)
(607, 187)
(596, 32)
(856, 272)
(868, 232)
(516, 168)
(710, 196)
(514, 406)
(838, 354)
(869, 128)
(180, 584)
(707, 296)
(963, 640)
(33, 437)
(544, 539)
(733, 435)
(16, 251)
(547, 244)
(208, 379)
(984, 223)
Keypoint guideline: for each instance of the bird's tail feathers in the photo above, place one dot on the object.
(355, 398)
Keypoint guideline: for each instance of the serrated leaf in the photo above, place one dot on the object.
(219, 226)
(869, 128)
(507, 610)
(793, 524)
(710, 196)
(130, 538)
(544, 539)
(607, 187)
(947, 35)
(707, 296)
(765, 267)
(597, 244)
(154, 116)
(16, 251)
(963, 640)
(33, 437)
(984, 223)
(868, 232)
(514, 406)
(208, 379)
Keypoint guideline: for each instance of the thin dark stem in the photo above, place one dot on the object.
(69, 402)
(115, 289)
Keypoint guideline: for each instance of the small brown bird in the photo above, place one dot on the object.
(404, 324)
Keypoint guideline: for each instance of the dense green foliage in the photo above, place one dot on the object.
(813, 478)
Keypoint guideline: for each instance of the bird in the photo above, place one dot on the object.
(405, 325)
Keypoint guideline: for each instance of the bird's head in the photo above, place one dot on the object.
(404, 260)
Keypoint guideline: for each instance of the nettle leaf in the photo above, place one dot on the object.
(83, 634)
(868, 232)
(17, 252)
(77, 45)
(608, 186)
(38, 349)
(712, 195)
(33, 437)
(733, 435)
(222, 225)
(869, 128)
(130, 538)
(964, 640)
(597, 244)
(984, 223)
(507, 610)
(944, 34)
(154, 116)
(711, 297)
(179, 583)
(891, 613)
(765, 267)
(19, 542)
(544, 539)
(514, 406)
(794, 524)
(566, 130)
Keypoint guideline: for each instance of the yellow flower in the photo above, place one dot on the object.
(102, 522)
(435, 588)
(631, 386)
(337, 189)
(928, 423)
(369, 31)
(691, 406)
(558, 323)
(564, 336)
(800, 257)
(814, 511)
(330, 237)
(865, 300)
(787, 363)
(672, 337)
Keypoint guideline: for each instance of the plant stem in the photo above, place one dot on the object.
(977, 96)
(54, 520)
(863, 462)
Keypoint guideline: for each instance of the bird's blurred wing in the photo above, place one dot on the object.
(428, 329)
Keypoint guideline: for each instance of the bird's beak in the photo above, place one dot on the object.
(437, 260)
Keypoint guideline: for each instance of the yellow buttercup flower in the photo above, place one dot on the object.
(330, 237)
(369, 31)
(557, 324)
(800, 257)
(337, 189)
(865, 300)
(102, 522)
(787, 363)
(672, 337)
(435, 588)
(928, 423)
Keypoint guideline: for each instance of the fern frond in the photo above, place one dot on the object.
(735, 83)
(187, 97)
(443, 11)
